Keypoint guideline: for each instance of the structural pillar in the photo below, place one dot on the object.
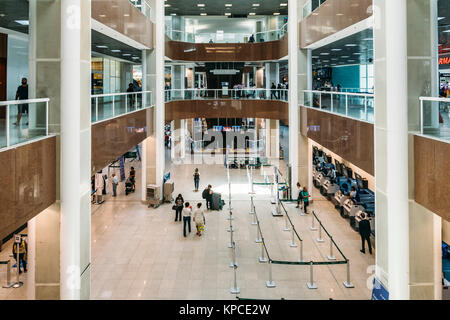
(391, 147)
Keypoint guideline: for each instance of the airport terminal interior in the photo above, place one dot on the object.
(224, 150)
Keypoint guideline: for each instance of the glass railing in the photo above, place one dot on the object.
(22, 121)
(143, 6)
(236, 94)
(272, 35)
(108, 106)
(435, 117)
(354, 105)
(310, 6)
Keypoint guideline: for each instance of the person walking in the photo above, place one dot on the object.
(305, 196)
(23, 250)
(207, 195)
(133, 178)
(299, 196)
(22, 94)
(179, 201)
(115, 183)
(364, 231)
(199, 219)
(131, 96)
(196, 179)
(187, 212)
(273, 92)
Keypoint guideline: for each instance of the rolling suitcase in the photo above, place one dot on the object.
(216, 201)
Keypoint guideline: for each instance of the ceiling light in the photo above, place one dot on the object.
(115, 50)
(126, 54)
(167, 5)
(252, 14)
(102, 47)
(336, 49)
(203, 14)
(351, 45)
(368, 39)
(2, 15)
(440, 18)
(102, 15)
(283, 4)
(339, 14)
(23, 22)
(200, 5)
(345, 57)
(446, 31)
(357, 53)
(228, 13)
(276, 13)
(324, 53)
(173, 14)
(126, 15)
(256, 4)
(228, 5)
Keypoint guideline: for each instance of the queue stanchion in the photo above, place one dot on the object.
(235, 289)
(258, 234)
(252, 205)
(348, 283)
(252, 187)
(293, 244)
(230, 229)
(233, 256)
(286, 226)
(331, 256)
(311, 284)
(262, 258)
(312, 228)
(254, 222)
(230, 245)
(319, 239)
(9, 283)
(270, 283)
(301, 252)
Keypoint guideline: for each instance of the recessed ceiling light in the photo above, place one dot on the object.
(283, 4)
(336, 49)
(126, 15)
(102, 47)
(23, 22)
(102, 15)
(345, 57)
(324, 53)
(173, 14)
(276, 13)
(228, 5)
(256, 4)
(351, 45)
(446, 31)
(368, 39)
(203, 14)
(440, 18)
(115, 50)
(228, 13)
(200, 4)
(2, 15)
(167, 5)
(126, 54)
(252, 14)
(339, 14)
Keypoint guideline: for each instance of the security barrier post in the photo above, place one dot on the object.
(254, 222)
(17, 241)
(293, 244)
(311, 284)
(233, 256)
(262, 258)
(312, 228)
(319, 239)
(235, 289)
(252, 205)
(258, 234)
(301, 252)
(286, 226)
(270, 283)
(230, 245)
(348, 283)
(330, 256)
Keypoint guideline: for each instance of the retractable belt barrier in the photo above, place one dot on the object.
(232, 245)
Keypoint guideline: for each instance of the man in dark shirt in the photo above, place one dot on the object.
(364, 231)
(207, 195)
(22, 94)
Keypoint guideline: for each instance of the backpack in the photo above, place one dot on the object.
(205, 193)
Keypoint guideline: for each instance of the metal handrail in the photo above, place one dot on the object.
(118, 94)
(431, 99)
(202, 94)
(17, 102)
(371, 95)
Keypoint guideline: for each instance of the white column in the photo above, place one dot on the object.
(75, 149)
(293, 89)
(391, 146)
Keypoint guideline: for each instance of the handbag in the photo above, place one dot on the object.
(174, 207)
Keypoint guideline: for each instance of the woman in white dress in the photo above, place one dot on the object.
(199, 219)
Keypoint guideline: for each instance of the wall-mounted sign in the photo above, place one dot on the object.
(444, 60)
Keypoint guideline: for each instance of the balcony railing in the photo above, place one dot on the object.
(271, 35)
(143, 6)
(108, 106)
(29, 128)
(435, 117)
(353, 105)
(310, 6)
(236, 94)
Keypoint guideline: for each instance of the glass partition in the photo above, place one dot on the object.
(435, 117)
(244, 94)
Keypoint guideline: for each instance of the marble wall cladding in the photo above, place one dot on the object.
(432, 175)
(112, 138)
(325, 20)
(351, 139)
(266, 109)
(261, 51)
(27, 183)
(124, 18)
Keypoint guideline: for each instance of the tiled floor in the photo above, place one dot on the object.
(140, 253)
